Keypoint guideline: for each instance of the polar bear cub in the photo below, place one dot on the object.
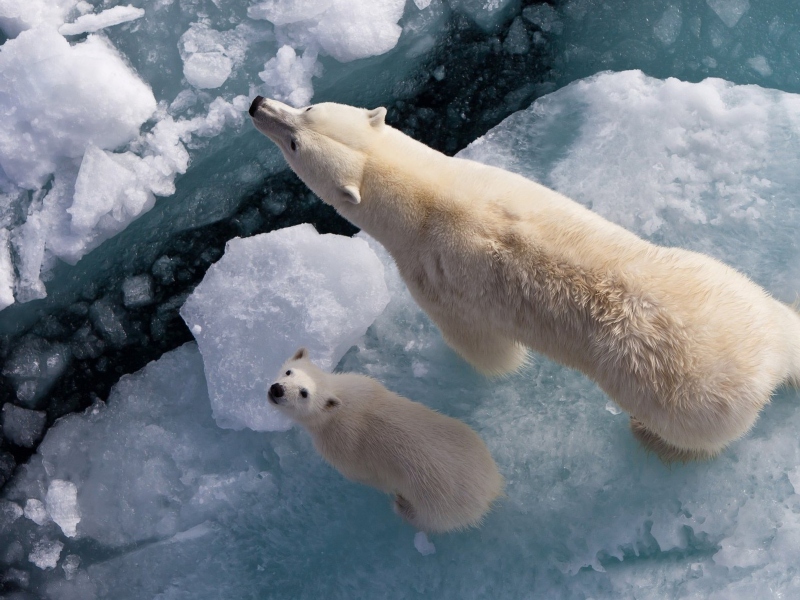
(440, 472)
(690, 348)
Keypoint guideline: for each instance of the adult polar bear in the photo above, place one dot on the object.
(686, 345)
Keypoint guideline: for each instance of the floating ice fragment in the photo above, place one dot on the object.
(210, 56)
(107, 319)
(423, 545)
(108, 18)
(760, 65)
(22, 426)
(45, 554)
(62, 506)
(288, 77)
(100, 101)
(517, 41)
(488, 14)
(9, 512)
(33, 367)
(70, 566)
(729, 11)
(612, 408)
(6, 271)
(35, 511)
(669, 25)
(137, 291)
(544, 17)
(108, 196)
(419, 369)
(343, 29)
(270, 294)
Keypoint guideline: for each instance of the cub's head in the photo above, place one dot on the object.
(325, 144)
(299, 391)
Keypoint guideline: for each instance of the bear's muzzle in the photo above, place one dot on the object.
(276, 393)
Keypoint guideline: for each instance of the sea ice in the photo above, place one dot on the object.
(137, 291)
(62, 506)
(711, 171)
(91, 82)
(46, 553)
(22, 426)
(293, 287)
(344, 29)
(107, 18)
(730, 11)
(18, 15)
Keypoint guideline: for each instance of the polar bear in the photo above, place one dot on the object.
(439, 471)
(689, 347)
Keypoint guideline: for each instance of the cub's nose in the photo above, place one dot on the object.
(256, 103)
(276, 390)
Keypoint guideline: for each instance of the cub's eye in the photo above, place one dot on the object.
(304, 393)
(309, 108)
(294, 146)
(289, 372)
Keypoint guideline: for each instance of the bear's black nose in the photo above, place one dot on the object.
(276, 389)
(256, 103)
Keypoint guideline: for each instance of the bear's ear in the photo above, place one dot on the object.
(300, 354)
(332, 403)
(377, 116)
(351, 194)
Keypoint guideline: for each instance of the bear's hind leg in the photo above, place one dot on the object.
(668, 453)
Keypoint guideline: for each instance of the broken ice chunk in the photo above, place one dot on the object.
(35, 511)
(46, 553)
(62, 506)
(95, 22)
(137, 291)
(280, 290)
(22, 426)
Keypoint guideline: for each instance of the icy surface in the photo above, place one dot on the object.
(294, 288)
(714, 168)
(709, 166)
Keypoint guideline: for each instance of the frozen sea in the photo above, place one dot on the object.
(142, 218)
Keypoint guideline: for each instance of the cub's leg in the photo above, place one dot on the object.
(489, 353)
(668, 453)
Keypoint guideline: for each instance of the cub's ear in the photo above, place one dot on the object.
(351, 194)
(332, 403)
(377, 116)
(300, 354)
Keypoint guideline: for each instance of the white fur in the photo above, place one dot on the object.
(689, 347)
(438, 469)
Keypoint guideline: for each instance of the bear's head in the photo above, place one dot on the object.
(299, 391)
(325, 144)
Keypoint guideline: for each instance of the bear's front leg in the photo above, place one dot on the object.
(667, 452)
(488, 352)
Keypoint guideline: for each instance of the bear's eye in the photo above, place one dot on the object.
(289, 372)
(294, 146)
(304, 393)
(309, 108)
